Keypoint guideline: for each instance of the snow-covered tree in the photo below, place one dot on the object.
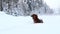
(32, 5)
(48, 10)
(25, 7)
(1, 8)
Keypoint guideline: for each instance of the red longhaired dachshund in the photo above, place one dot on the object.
(35, 19)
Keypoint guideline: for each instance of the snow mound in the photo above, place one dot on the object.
(24, 25)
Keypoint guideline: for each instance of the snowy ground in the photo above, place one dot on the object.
(24, 24)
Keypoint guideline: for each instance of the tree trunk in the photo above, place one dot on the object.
(1, 8)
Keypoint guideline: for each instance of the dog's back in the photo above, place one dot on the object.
(40, 21)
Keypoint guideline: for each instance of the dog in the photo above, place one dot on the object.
(35, 19)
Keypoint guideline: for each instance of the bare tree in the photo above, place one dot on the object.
(1, 8)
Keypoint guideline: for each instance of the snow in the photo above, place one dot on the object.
(24, 24)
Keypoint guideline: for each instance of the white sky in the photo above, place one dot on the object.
(53, 3)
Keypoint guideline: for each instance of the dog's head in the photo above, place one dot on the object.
(34, 16)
